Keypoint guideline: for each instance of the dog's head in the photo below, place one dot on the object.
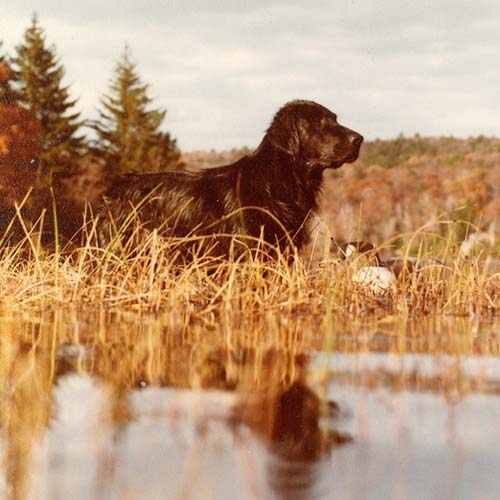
(311, 131)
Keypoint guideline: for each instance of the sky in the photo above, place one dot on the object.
(222, 68)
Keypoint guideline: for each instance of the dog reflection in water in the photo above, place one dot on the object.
(287, 421)
(275, 405)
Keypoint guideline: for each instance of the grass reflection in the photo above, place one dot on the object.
(266, 385)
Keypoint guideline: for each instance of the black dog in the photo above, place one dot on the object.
(270, 193)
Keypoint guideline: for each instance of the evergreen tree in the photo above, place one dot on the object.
(18, 140)
(39, 75)
(8, 95)
(128, 129)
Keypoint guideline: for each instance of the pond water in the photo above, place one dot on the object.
(102, 406)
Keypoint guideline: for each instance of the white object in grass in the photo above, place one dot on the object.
(378, 280)
(477, 240)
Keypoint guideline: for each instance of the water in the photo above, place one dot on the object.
(102, 406)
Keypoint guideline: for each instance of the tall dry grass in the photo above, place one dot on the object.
(144, 273)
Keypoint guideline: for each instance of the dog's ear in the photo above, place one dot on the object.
(295, 135)
(284, 131)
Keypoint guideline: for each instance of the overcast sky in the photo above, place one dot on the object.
(222, 68)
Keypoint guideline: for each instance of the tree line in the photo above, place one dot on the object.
(42, 139)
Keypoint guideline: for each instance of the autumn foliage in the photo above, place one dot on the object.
(19, 150)
(399, 185)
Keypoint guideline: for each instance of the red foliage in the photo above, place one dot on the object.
(19, 151)
(5, 73)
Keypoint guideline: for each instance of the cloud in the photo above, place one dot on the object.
(222, 68)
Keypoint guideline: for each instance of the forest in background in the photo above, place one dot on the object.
(44, 142)
(395, 186)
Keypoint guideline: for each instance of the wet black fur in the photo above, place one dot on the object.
(282, 177)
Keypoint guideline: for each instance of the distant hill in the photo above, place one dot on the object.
(445, 150)
(204, 159)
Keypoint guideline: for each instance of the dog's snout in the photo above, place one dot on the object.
(355, 138)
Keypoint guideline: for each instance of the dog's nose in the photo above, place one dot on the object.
(356, 139)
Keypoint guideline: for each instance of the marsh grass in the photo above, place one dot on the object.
(144, 272)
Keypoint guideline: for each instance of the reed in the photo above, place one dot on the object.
(146, 273)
